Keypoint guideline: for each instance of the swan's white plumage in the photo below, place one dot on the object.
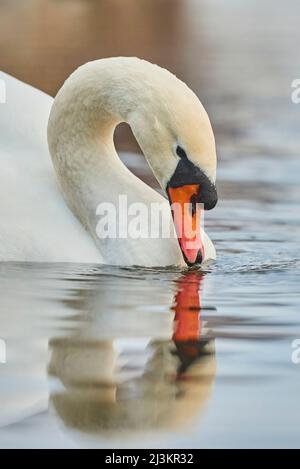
(35, 222)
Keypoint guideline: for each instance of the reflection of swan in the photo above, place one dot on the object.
(172, 129)
(113, 385)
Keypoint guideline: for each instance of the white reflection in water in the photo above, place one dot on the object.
(135, 384)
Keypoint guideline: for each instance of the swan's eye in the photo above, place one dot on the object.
(180, 152)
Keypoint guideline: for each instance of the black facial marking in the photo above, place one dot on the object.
(188, 173)
(181, 153)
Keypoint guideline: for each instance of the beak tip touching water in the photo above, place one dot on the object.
(198, 261)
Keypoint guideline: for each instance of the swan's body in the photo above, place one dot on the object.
(36, 223)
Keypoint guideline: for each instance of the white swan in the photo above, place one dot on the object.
(171, 127)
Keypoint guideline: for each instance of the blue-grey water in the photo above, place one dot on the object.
(106, 357)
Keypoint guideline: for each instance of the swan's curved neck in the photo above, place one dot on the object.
(85, 113)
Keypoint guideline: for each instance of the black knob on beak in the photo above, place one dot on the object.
(208, 195)
(187, 173)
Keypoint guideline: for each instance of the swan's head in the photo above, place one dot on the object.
(176, 137)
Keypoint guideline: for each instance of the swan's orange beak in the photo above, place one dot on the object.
(187, 220)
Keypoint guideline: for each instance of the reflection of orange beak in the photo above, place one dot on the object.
(187, 308)
(187, 218)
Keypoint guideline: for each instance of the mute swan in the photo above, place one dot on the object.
(41, 220)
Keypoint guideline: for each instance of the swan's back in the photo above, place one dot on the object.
(23, 115)
(35, 223)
